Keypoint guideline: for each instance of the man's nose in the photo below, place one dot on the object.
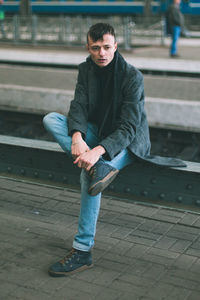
(102, 51)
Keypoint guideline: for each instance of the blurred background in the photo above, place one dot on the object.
(66, 22)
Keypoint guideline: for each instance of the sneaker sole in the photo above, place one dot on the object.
(101, 185)
(63, 274)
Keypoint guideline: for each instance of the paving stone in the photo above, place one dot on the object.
(111, 264)
(189, 219)
(159, 291)
(193, 252)
(167, 218)
(187, 229)
(163, 253)
(180, 246)
(122, 247)
(128, 288)
(174, 280)
(193, 296)
(109, 294)
(165, 243)
(197, 223)
(120, 258)
(157, 259)
(6, 288)
(137, 251)
(178, 294)
(186, 262)
(154, 272)
(137, 279)
(184, 235)
(148, 211)
(23, 293)
(122, 232)
(155, 226)
(139, 267)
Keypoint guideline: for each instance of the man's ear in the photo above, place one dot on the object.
(87, 46)
(116, 46)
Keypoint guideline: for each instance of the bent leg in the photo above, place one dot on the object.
(56, 124)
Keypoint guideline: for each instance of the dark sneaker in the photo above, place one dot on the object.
(75, 261)
(174, 55)
(102, 175)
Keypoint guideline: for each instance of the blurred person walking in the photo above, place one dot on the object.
(175, 25)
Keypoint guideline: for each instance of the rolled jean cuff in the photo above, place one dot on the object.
(80, 247)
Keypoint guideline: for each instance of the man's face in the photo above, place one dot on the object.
(102, 51)
(177, 2)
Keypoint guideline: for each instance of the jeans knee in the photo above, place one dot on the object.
(47, 120)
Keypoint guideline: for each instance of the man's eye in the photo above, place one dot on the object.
(95, 48)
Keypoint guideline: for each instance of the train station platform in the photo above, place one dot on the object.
(148, 58)
(142, 252)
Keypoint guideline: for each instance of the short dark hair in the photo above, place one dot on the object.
(97, 31)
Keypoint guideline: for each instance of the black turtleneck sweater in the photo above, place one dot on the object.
(105, 85)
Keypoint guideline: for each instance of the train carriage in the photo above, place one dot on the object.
(189, 7)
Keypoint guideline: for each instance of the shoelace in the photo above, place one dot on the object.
(68, 257)
(92, 172)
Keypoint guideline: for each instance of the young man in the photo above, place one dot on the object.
(175, 20)
(106, 129)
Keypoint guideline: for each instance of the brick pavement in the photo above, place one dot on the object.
(142, 252)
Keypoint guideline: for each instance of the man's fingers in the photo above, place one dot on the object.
(76, 160)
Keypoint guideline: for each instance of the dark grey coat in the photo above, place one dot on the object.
(129, 124)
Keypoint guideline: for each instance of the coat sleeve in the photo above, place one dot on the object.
(78, 112)
(131, 114)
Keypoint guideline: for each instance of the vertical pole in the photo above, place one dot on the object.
(162, 31)
(34, 29)
(126, 33)
(16, 29)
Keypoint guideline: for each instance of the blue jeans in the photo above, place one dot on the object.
(176, 31)
(56, 124)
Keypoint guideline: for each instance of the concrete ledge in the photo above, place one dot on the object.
(172, 113)
(30, 143)
(167, 113)
(34, 100)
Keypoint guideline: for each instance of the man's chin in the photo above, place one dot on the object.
(101, 63)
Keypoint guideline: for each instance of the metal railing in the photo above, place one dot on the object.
(71, 30)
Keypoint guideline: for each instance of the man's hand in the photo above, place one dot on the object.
(87, 159)
(79, 146)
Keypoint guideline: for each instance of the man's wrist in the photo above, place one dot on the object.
(100, 149)
(76, 137)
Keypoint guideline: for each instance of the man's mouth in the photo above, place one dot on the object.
(101, 60)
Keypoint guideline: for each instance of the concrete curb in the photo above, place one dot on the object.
(168, 113)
